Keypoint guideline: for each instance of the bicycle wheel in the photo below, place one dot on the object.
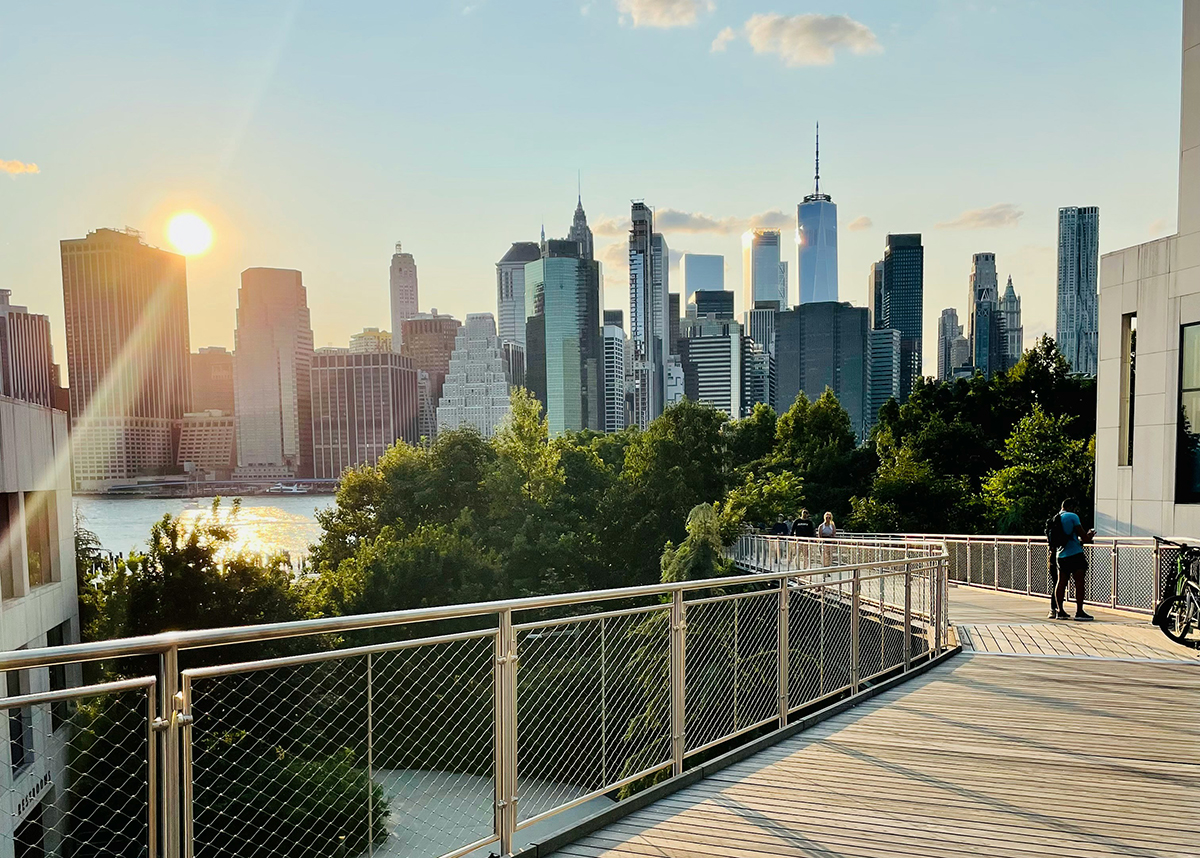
(1179, 619)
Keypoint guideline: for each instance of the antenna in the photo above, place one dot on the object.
(817, 176)
(579, 185)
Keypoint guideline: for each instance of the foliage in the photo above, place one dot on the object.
(701, 554)
(760, 500)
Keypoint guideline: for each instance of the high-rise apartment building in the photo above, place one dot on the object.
(701, 272)
(362, 403)
(960, 358)
(648, 307)
(760, 326)
(948, 331)
(273, 350)
(704, 302)
(428, 340)
(26, 359)
(478, 386)
(875, 294)
(904, 302)
(758, 376)
(1014, 331)
(1078, 277)
(884, 372)
(673, 323)
(370, 341)
(564, 362)
(510, 291)
(820, 345)
(614, 345)
(816, 242)
(403, 281)
(989, 342)
(212, 379)
(127, 353)
(713, 357)
(760, 270)
(783, 281)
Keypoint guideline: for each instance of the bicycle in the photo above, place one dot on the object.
(1178, 614)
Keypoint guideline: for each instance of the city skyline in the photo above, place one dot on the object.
(334, 205)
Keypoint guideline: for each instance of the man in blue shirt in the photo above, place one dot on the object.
(1072, 561)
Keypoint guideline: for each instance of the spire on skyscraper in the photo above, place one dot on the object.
(817, 175)
(580, 232)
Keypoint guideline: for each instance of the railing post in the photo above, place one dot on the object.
(1028, 567)
(1156, 573)
(506, 732)
(678, 645)
(785, 651)
(968, 561)
(940, 616)
(1115, 567)
(907, 617)
(855, 604)
(171, 840)
(370, 759)
(995, 564)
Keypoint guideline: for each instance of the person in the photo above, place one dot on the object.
(779, 528)
(803, 526)
(1072, 561)
(827, 530)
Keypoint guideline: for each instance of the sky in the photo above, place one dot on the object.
(315, 135)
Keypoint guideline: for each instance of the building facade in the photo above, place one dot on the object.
(903, 301)
(824, 345)
(370, 341)
(478, 385)
(1014, 331)
(208, 444)
(27, 370)
(989, 342)
(128, 356)
(948, 331)
(1078, 268)
(713, 363)
(816, 242)
(1148, 385)
(884, 372)
(273, 350)
(701, 272)
(614, 344)
(581, 233)
(648, 306)
(760, 271)
(212, 379)
(510, 291)
(402, 277)
(428, 341)
(704, 302)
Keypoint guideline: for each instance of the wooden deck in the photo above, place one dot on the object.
(1058, 753)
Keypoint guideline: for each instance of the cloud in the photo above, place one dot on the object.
(15, 167)
(993, 217)
(723, 39)
(663, 13)
(806, 40)
(669, 221)
(859, 223)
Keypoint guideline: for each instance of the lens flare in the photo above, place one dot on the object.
(189, 233)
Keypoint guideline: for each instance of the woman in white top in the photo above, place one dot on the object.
(827, 529)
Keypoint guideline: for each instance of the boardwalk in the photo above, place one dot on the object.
(1067, 749)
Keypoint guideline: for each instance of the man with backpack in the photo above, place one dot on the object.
(1066, 537)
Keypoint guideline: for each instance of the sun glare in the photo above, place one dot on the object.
(189, 233)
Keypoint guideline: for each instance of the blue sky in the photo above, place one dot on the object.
(316, 135)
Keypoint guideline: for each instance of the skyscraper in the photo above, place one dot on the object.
(713, 357)
(1014, 331)
(705, 303)
(701, 271)
(273, 350)
(884, 372)
(615, 318)
(370, 341)
(816, 241)
(212, 380)
(948, 330)
(403, 290)
(580, 232)
(760, 270)
(875, 293)
(564, 362)
(1078, 270)
(127, 351)
(673, 323)
(26, 361)
(648, 331)
(824, 344)
(614, 345)
(428, 339)
(988, 340)
(783, 282)
(510, 291)
(362, 403)
(478, 386)
(904, 301)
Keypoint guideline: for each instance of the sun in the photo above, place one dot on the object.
(189, 233)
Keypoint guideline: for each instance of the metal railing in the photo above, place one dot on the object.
(438, 731)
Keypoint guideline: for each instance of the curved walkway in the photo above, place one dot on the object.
(1047, 753)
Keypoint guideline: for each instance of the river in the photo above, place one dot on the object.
(265, 523)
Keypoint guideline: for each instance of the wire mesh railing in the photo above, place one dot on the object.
(440, 731)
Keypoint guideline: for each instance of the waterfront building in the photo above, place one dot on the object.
(948, 331)
(820, 345)
(273, 351)
(362, 403)
(403, 282)
(903, 302)
(1148, 386)
(816, 242)
(712, 358)
(563, 351)
(760, 271)
(1078, 267)
(428, 341)
(480, 380)
(884, 372)
(648, 307)
(208, 444)
(701, 272)
(26, 358)
(1014, 331)
(510, 291)
(370, 341)
(127, 354)
(212, 379)
(704, 302)
(614, 345)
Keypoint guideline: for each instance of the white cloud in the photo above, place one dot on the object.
(663, 13)
(723, 39)
(809, 39)
(669, 221)
(859, 223)
(992, 217)
(15, 167)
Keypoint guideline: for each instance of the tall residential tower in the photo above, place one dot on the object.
(1078, 276)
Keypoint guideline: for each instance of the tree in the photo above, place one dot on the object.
(752, 438)
(760, 500)
(701, 554)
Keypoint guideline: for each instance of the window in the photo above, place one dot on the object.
(1128, 358)
(60, 635)
(7, 504)
(39, 506)
(20, 724)
(1187, 450)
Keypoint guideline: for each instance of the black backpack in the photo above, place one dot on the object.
(1055, 537)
